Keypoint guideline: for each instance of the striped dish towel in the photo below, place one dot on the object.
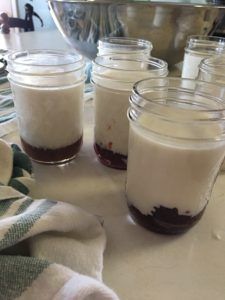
(7, 110)
(8, 122)
(48, 249)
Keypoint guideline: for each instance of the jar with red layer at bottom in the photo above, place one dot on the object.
(176, 148)
(47, 86)
(113, 79)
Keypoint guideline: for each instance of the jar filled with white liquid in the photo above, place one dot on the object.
(47, 86)
(198, 48)
(212, 69)
(176, 147)
(125, 47)
(113, 79)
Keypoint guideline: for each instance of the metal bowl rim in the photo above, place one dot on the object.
(198, 3)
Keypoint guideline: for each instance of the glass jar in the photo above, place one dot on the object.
(47, 86)
(212, 69)
(113, 79)
(198, 48)
(125, 47)
(176, 148)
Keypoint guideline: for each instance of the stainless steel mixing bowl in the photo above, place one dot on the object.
(165, 24)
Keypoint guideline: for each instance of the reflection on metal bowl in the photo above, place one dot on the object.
(166, 25)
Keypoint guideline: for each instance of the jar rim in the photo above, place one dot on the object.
(56, 61)
(123, 42)
(214, 64)
(157, 62)
(138, 100)
(205, 37)
(205, 41)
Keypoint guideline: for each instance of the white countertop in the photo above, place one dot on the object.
(46, 39)
(140, 265)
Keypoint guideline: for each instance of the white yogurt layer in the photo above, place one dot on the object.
(170, 174)
(191, 65)
(49, 118)
(111, 125)
(111, 105)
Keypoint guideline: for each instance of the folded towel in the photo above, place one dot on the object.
(48, 249)
(7, 110)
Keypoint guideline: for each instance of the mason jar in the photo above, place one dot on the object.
(198, 48)
(176, 148)
(125, 47)
(113, 79)
(212, 69)
(47, 88)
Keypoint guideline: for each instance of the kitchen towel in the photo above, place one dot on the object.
(8, 122)
(48, 249)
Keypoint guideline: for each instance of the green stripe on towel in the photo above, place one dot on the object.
(7, 117)
(5, 92)
(6, 103)
(5, 205)
(15, 148)
(21, 160)
(22, 226)
(19, 186)
(17, 274)
(3, 79)
(26, 203)
(17, 172)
